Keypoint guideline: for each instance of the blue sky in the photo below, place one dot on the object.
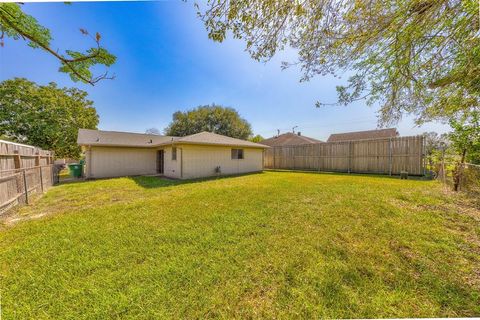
(167, 63)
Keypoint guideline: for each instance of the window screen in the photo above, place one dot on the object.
(237, 153)
(174, 153)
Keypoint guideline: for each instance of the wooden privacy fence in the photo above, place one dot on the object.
(384, 156)
(24, 170)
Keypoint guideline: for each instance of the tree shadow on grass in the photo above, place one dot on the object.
(153, 182)
(371, 175)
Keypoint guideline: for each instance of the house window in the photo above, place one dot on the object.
(237, 153)
(174, 153)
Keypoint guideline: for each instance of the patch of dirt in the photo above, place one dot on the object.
(11, 220)
(13, 216)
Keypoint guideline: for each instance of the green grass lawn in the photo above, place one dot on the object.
(269, 245)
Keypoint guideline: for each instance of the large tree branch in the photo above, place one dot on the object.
(67, 62)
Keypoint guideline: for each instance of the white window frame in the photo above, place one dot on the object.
(174, 153)
(235, 154)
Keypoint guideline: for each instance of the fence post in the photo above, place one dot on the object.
(423, 158)
(406, 161)
(17, 163)
(17, 160)
(390, 155)
(41, 178)
(37, 159)
(274, 163)
(293, 156)
(54, 175)
(349, 156)
(25, 186)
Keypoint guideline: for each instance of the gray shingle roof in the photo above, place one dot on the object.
(121, 139)
(362, 135)
(129, 139)
(289, 139)
(209, 138)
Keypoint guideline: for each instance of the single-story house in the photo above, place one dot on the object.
(362, 135)
(115, 154)
(289, 139)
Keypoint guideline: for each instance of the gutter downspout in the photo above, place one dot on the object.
(263, 159)
(89, 162)
(181, 163)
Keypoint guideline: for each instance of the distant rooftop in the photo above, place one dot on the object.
(362, 135)
(289, 139)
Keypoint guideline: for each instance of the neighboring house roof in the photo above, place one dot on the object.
(362, 135)
(129, 139)
(289, 139)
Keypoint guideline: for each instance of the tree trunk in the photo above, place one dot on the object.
(457, 178)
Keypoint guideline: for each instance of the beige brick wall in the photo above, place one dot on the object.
(172, 168)
(200, 161)
(192, 161)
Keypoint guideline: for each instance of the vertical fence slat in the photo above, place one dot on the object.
(41, 179)
(385, 156)
(25, 186)
(22, 173)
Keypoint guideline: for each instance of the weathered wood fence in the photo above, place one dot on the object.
(383, 156)
(24, 170)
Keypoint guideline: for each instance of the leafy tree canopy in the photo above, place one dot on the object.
(256, 138)
(45, 116)
(211, 118)
(16, 24)
(153, 131)
(435, 146)
(465, 138)
(418, 57)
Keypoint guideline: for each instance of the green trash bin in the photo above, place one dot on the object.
(76, 170)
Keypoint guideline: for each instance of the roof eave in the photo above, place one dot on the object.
(156, 145)
(212, 144)
(115, 145)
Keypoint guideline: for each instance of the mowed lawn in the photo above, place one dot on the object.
(268, 245)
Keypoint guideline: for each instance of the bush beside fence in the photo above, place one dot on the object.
(469, 181)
